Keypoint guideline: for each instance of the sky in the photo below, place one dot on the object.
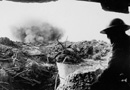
(79, 20)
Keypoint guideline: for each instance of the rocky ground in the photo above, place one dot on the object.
(26, 66)
(83, 77)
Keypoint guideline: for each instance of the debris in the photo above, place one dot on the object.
(33, 67)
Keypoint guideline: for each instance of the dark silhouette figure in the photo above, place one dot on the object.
(117, 75)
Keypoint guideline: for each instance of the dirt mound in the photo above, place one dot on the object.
(33, 67)
(25, 69)
(79, 80)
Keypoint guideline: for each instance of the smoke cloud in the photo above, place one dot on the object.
(38, 33)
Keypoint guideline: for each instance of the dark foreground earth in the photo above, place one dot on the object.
(27, 66)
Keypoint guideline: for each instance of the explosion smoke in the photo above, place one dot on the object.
(38, 33)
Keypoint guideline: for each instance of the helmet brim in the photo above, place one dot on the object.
(104, 31)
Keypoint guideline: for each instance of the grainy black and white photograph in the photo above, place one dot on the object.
(64, 45)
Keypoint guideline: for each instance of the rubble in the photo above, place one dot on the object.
(80, 80)
(33, 67)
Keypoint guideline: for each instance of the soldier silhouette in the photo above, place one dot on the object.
(119, 64)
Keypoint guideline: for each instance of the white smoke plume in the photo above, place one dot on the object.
(38, 33)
